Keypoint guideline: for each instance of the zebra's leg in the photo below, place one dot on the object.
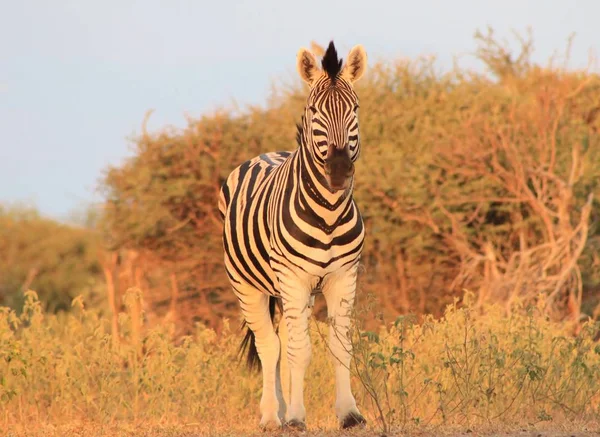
(284, 368)
(339, 292)
(255, 308)
(311, 305)
(296, 296)
(283, 361)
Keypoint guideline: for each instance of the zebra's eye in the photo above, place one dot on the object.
(356, 107)
(313, 109)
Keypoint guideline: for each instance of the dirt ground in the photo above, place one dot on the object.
(95, 430)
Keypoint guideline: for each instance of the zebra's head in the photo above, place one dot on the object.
(331, 113)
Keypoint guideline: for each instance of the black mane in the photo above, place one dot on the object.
(330, 62)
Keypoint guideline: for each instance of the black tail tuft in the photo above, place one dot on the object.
(249, 341)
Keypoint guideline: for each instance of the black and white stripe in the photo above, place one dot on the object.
(290, 224)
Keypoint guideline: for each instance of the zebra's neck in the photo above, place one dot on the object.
(313, 192)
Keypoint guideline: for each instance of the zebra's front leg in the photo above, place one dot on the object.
(284, 370)
(296, 313)
(339, 292)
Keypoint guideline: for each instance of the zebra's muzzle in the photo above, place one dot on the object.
(339, 168)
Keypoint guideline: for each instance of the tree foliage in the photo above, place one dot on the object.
(58, 260)
(483, 181)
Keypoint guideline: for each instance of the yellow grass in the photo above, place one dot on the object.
(63, 375)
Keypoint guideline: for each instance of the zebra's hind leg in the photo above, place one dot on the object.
(255, 308)
(283, 367)
(339, 292)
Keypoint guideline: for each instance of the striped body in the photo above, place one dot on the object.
(276, 218)
(291, 227)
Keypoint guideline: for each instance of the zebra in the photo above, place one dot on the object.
(291, 229)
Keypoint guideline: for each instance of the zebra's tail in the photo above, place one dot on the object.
(249, 341)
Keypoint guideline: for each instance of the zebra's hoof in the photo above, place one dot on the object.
(270, 424)
(352, 420)
(295, 425)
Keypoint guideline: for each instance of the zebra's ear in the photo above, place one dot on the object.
(356, 64)
(307, 66)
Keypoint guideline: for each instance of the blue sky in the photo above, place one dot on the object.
(76, 77)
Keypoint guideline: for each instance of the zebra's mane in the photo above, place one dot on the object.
(330, 62)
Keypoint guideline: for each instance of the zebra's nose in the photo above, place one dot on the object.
(333, 150)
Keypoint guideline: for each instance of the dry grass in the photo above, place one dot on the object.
(129, 430)
(484, 373)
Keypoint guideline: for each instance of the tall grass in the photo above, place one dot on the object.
(464, 370)
(469, 369)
